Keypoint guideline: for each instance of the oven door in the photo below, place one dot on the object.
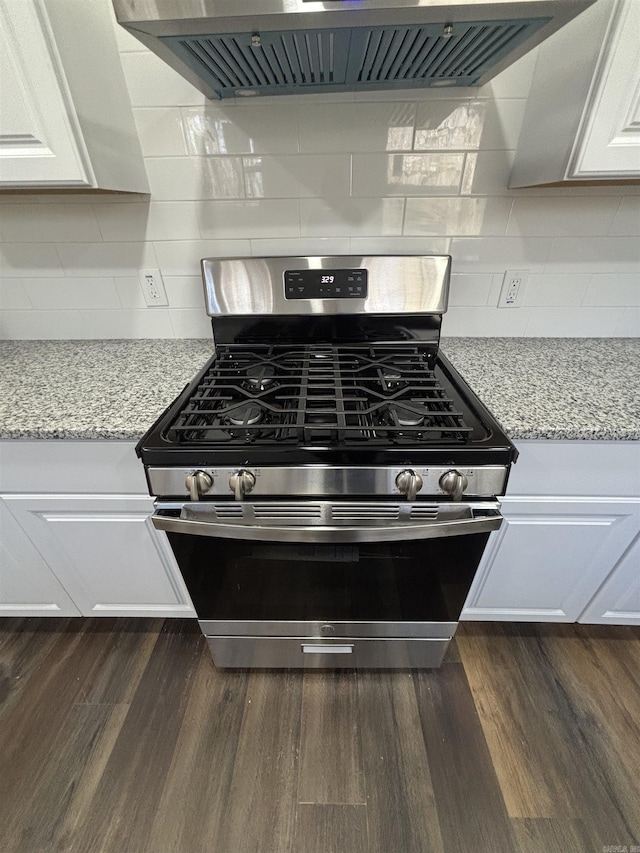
(325, 583)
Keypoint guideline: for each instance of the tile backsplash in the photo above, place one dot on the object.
(387, 172)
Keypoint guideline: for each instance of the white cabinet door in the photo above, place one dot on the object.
(617, 602)
(40, 141)
(582, 117)
(106, 552)
(610, 138)
(28, 587)
(549, 556)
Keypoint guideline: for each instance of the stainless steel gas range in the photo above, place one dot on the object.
(327, 482)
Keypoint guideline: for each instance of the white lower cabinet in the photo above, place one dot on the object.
(617, 602)
(105, 552)
(28, 587)
(550, 556)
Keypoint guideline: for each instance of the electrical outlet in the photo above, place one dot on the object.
(153, 288)
(512, 290)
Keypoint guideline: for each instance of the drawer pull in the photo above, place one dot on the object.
(324, 650)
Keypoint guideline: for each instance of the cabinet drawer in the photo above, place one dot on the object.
(305, 653)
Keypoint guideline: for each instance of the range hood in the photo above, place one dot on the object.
(272, 47)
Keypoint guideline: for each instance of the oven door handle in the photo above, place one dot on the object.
(477, 520)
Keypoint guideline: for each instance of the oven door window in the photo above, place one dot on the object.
(413, 581)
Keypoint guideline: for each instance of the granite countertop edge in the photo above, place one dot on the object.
(559, 389)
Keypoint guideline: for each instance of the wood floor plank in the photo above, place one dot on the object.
(471, 809)
(543, 735)
(607, 714)
(330, 752)
(535, 835)
(401, 807)
(120, 661)
(196, 794)
(123, 809)
(259, 812)
(527, 750)
(65, 783)
(40, 700)
(331, 829)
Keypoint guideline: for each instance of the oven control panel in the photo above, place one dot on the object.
(325, 284)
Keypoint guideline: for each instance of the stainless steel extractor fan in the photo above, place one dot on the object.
(283, 47)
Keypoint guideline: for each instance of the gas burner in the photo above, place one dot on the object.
(246, 415)
(407, 417)
(392, 380)
(260, 376)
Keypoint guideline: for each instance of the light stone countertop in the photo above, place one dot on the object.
(537, 388)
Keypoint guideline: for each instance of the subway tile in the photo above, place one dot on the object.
(182, 257)
(153, 83)
(356, 127)
(297, 176)
(242, 129)
(165, 220)
(426, 245)
(594, 254)
(380, 175)
(160, 131)
(536, 217)
(185, 291)
(514, 81)
(190, 323)
(55, 223)
(72, 293)
(628, 324)
(126, 42)
(489, 172)
(456, 216)
(502, 124)
(481, 322)
(24, 260)
(88, 260)
(130, 292)
(92, 198)
(570, 323)
(149, 323)
(496, 254)
(469, 125)
(302, 246)
(626, 222)
(41, 325)
(351, 217)
(613, 289)
(549, 290)
(449, 124)
(13, 294)
(193, 178)
(470, 290)
(250, 219)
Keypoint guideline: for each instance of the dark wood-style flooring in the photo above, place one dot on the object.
(121, 736)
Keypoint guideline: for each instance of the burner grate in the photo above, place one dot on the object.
(319, 396)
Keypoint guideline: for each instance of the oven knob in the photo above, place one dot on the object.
(198, 483)
(454, 483)
(241, 483)
(409, 483)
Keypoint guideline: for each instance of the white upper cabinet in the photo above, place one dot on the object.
(582, 121)
(65, 115)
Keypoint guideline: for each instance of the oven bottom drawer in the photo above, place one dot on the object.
(302, 653)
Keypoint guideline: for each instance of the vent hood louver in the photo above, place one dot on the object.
(291, 46)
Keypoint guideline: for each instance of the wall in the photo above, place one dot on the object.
(391, 172)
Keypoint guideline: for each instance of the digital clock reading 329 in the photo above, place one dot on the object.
(325, 284)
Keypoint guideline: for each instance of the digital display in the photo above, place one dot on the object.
(325, 284)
